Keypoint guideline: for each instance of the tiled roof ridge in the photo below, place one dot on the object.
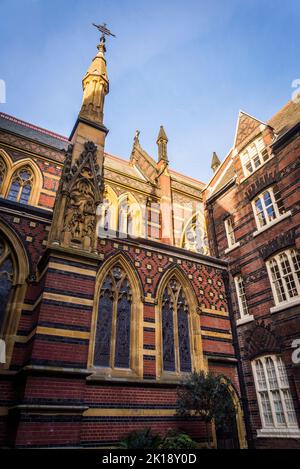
(187, 177)
(33, 127)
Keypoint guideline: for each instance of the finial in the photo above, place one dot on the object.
(162, 135)
(136, 137)
(162, 141)
(104, 32)
(215, 162)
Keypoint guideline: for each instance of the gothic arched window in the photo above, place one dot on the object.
(194, 238)
(176, 348)
(129, 221)
(7, 274)
(21, 185)
(3, 173)
(113, 327)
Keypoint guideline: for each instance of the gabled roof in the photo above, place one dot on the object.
(281, 122)
(286, 118)
(33, 132)
(246, 124)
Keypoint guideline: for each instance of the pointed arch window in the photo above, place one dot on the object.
(21, 185)
(113, 328)
(129, 221)
(7, 279)
(176, 347)
(3, 173)
(194, 238)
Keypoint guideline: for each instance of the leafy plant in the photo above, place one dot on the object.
(177, 440)
(141, 439)
(206, 395)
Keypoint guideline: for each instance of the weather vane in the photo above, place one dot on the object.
(104, 30)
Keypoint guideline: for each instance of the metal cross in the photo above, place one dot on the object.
(103, 29)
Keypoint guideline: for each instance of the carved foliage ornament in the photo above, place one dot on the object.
(82, 185)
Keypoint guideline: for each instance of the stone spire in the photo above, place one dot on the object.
(162, 141)
(74, 222)
(215, 162)
(95, 87)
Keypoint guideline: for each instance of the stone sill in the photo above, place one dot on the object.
(272, 223)
(278, 433)
(245, 320)
(285, 305)
(231, 248)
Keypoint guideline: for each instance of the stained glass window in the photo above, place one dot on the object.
(195, 238)
(6, 278)
(113, 329)
(3, 171)
(175, 329)
(21, 185)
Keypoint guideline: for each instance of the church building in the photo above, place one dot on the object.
(120, 276)
(109, 296)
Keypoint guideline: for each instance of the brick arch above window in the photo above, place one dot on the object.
(279, 243)
(261, 340)
(261, 183)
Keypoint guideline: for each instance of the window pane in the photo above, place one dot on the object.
(269, 206)
(122, 352)
(104, 330)
(256, 161)
(260, 214)
(260, 374)
(25, 194)
(278, 199)
(282, 373)
(277, 281)
(287, 275)
(183, 335)
(14, 191)
(279, 414)
(271, 373)
(296, 263)
(292, 419)
(6, 277)
(25, 175)
(168, 333)
(266, 408)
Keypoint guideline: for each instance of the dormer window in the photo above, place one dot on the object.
(254, 156)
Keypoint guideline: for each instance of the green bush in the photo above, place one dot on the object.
(146, 439)
(177, 440)
(141, 439)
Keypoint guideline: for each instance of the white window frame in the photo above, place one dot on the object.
(229, 228)
(241, 296)
(282, 387)
(294, 272)
(247, 158)
(264, 208)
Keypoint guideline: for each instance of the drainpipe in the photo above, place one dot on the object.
(237, 351)
(210, 209)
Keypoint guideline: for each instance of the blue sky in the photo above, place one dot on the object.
(189, 65)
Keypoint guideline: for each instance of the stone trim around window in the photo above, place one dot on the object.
(272, 223)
